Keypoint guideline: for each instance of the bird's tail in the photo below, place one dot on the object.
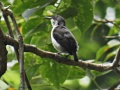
(75, 57)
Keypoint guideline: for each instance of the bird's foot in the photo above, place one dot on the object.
(62, 54)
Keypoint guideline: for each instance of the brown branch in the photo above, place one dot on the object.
(107, 21)
(21, 53)
(3, 54)
(111, 37)
(117, 59)
(60, 59)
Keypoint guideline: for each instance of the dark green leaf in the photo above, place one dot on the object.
(30, 24)
(29, 4)
(100, 11)
(110, 55)
(67, 13)
(108, 77)
(76, 73)
(101, 51)
(85, 13)
(54, 72)
(32, 70)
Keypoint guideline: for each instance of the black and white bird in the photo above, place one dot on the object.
(62, 39)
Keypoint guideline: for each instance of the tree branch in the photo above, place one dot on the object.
(107, 21)
(3, 54)
(21, 53)
(60, 59)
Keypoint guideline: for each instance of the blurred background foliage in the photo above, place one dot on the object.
(94, 23)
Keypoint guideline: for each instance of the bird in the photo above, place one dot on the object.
(62, 39)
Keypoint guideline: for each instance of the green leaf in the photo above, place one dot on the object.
(114, 30)
(107, 79)
(100, 11)
(85, 13)
(54, 72)
(76, 73)
(101, 51)
(49, 10)
(39, 41)
(29, 4)
(3, 26)
(34, 29)
(110, 45)
(15, 67)
(67, 12)
(110, 55)
(30, 24)
(12, 77)
(32, 70)
(27, 13)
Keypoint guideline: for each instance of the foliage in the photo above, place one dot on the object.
(91, 35)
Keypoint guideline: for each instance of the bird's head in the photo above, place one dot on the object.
(57, 20)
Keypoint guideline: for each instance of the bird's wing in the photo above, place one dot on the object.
(65, 38)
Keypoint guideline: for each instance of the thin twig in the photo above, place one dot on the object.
(21, 53)
(116, 59)
(107, 21)
(111, 37)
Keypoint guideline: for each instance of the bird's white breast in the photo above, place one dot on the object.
(56, 45)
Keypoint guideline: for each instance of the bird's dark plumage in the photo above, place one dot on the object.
(62, 39)
(65, 39)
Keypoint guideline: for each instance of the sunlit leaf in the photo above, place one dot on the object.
(12, 82)
(113, 31)
(113, 43)
(3, 85)
(49, 10)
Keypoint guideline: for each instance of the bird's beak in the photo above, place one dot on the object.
(48, 17)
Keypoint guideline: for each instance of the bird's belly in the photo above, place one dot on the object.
(57, 45)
